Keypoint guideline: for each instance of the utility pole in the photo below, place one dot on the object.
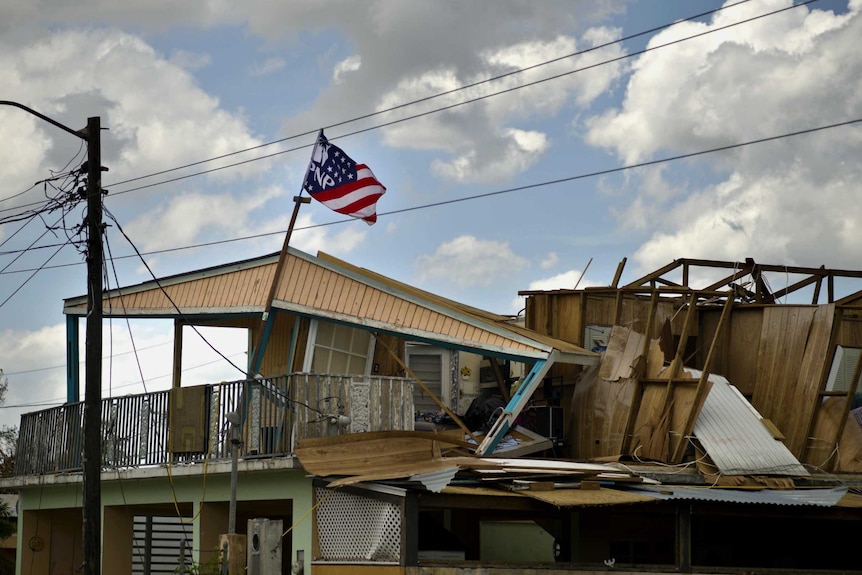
(92, 504)
(92, 463)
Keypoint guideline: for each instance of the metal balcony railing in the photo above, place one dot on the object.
(190, 424)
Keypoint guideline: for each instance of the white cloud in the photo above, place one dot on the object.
(570, 279)
(469, 261)
(550, 261)
(268, 66)
(155, 115)
(351, 64)
(190, 60)
(781, 201)
(519, 151)
(186, 217)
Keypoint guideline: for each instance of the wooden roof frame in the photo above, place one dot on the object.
(673, 278)
(528, 346)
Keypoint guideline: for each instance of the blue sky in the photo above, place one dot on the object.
(179, 83)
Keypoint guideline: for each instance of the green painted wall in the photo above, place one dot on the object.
(290, 487)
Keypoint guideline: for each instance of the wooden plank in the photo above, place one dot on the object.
(744, 338)
(665, 421)
(811, 378)
(637, 393)
(650, 429)
(782, 348)
(823, 451)
(702, 389)
(371, 451)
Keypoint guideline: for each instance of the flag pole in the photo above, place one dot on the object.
(268, 317)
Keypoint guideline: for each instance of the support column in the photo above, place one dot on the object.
(73, 360)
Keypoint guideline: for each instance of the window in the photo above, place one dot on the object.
(431, 365)
(843, 367)
(338, 349)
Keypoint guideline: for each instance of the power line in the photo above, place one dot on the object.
(63, 366)
(445, 108)
(468, 101)
(61, 400)
(166, 294)
(494, 193)
(440, 94)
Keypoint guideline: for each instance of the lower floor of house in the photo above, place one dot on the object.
(164, 524)
(156, 522)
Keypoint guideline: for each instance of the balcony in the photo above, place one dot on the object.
(190, 424)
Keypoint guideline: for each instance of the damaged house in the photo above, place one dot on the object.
(645, 428)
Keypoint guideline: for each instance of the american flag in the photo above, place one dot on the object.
(341, 184)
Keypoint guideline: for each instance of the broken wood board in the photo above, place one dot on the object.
(405, 470)
(791, 357)
(363, 453)
(587, 497)
(603, 399)
(620, 359)
(821, 447)
(530, 465)
(518, 441)
(663, 412)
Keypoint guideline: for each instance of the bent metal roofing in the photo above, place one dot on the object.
(327, 288)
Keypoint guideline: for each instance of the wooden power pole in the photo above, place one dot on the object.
(92, 503)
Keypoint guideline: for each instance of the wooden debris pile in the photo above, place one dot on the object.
(437, 460)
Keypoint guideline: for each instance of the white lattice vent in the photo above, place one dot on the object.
(355, 528)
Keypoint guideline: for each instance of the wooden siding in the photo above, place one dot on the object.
(791, 357)
(326, 287)
(735, 354)
(247, 288)
(305, 283)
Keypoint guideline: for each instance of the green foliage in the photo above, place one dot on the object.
(211, 566)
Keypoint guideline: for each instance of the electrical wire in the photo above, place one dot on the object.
(61, 400)
(165, 293)
(128, 323)
(444, 108)
(440, 94)
(63, 366)
(37, 270)
(471, 100)
(488, 194)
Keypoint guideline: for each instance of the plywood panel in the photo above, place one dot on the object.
(821, 448)
(745, 327)
(384, 363)
(782, 347)
(651, 426)
(188, 419)
(602, 399)
(569, 326)
(804, 393)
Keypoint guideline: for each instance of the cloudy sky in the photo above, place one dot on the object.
(509, 105)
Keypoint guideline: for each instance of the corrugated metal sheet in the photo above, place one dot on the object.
(736, 440)
(326, 287)
(795, 497)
